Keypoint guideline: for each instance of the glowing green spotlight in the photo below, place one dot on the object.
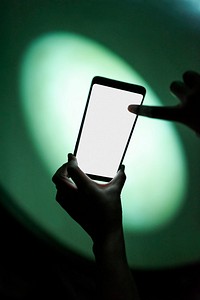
(56, 73)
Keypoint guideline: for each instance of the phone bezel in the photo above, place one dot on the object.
(135, 88)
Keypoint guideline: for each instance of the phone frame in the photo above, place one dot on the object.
(135, 88)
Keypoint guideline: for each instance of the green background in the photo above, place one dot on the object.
(160, 44)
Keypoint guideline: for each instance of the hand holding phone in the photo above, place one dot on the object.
(106, 127)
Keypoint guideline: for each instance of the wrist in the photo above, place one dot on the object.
(115, 277)
(111, 244)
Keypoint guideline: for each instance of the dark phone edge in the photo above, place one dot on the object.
(99, 177)
(83, 119)
(130, 135)
(119, 84)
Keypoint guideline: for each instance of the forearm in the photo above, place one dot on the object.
(115, 278)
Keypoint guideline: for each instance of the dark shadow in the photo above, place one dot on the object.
(33, 265)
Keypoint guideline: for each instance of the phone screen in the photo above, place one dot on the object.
(106, 127)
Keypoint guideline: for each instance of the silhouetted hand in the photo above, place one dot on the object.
(186, 112)
(96, 207)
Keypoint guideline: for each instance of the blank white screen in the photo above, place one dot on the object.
(106, 130)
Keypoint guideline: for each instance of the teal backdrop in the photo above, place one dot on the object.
(50, 50)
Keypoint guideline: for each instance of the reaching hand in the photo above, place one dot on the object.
(187, 112)
(96, 207)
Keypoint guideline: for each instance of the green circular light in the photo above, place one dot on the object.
(56, 73)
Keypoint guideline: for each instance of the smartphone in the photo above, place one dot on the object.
(106, 127)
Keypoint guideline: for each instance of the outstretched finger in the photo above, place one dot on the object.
(171, 113)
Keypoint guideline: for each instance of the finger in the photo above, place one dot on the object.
(77, 175)
(157, 112)
(134, 108)
(61, 179)
(72, 158)
(191, 78)
(180, 90)
(144, 110)
(119, 178)
(60, 174)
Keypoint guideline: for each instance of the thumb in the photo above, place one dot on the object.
(119, 179)
(77, 175)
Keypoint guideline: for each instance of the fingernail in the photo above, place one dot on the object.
(133, 108)
(70, 155)
(122, 167)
